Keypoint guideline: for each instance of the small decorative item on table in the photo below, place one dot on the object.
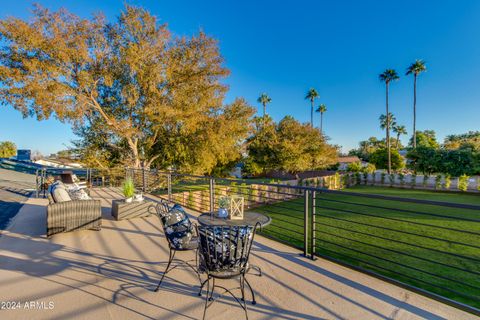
(138, 197)
(236, 208)
(223, 204)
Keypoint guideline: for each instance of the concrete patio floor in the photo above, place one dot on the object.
(111, 274)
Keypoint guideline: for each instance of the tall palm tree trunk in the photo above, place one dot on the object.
(415, 111)
(398, 141)
(311, 113)
(321, 122)
(388, 133)
(264, 110)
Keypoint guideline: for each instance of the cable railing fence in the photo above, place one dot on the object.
(92, 177)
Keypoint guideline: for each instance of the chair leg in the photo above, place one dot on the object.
(196, 258)
(206, 298)
(201, 287)
(251, 290)
(242, 288)
(172, 254)
(213, 289)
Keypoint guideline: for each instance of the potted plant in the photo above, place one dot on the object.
(128, 190)
(223, 204)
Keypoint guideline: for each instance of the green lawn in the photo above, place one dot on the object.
(445, 196)
(433, 247)
(183, 184)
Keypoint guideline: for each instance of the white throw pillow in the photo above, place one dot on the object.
(59, 194)
(78, 194)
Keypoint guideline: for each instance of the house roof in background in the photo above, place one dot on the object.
(349, 159)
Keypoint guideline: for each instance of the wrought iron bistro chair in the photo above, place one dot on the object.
(224, 253)
(180, 234)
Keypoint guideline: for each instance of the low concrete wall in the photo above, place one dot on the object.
(416, 182)
(254, 195)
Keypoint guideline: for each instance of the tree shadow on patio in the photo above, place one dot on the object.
(304, 262)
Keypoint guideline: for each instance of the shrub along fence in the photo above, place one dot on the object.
(433, 182)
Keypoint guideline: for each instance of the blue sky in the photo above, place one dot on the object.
(339, 47)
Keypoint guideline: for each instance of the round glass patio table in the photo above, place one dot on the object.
(249, 219)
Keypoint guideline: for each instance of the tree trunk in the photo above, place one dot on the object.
(264, 110)
(388, 133)
(136, 157)
(321, 122)
(398, 141)
(311, 113)
(414, 111)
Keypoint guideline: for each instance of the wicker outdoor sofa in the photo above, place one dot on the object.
(66, 213)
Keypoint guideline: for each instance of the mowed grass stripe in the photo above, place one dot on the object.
(453, 197)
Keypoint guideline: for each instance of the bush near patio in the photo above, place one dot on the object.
(452, 162)
(380, 159)
(439, 182)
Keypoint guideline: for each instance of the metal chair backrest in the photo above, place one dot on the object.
(163, 207)
(225, 248)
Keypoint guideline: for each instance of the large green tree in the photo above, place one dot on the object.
(289, 146)
(7, 149)
(214, 146)
(311, 95)
(415, 69)
(426, 138)
(261, 147)
(129, 79)
(387, 77)
(453, 162)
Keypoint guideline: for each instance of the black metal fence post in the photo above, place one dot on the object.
(312, 228)
(212, 195)
(144, 180)
(42, 181)
(305, 220)
(169, 186)
(36, 183)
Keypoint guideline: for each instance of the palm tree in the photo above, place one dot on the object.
(264, 99)
(312, 94)
(388, 76)
(321, 108)
(415, 68)
(392, 121)
(399, 130)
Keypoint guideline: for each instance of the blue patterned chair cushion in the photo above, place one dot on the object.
(224, 249)
(178, 228)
